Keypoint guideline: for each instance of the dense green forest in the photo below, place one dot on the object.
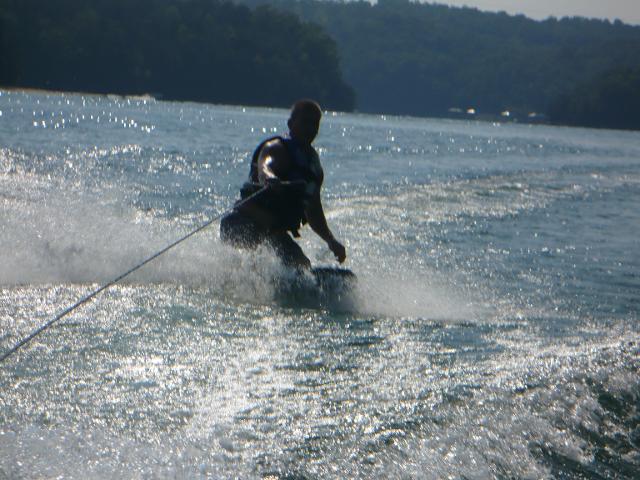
(394, 56)
(423, 59)
(610, 100)
(204, 50)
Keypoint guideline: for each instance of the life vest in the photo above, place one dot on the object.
(288, 205)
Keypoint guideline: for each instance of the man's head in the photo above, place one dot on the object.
(304, 121)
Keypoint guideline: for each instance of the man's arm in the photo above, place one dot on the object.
(318, 222)
(273, 161)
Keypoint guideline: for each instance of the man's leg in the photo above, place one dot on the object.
(289, 251)
(240, 231)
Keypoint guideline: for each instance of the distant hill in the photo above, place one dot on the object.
(395, 57)
(203, 50)
(422, 59)
(611, 100)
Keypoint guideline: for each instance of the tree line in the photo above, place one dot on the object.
(394, 56)
(413, 58)
(610, 100)
(202, 50)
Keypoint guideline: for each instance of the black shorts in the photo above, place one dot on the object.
(242, 232)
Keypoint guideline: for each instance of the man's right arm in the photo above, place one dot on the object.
(273, 162)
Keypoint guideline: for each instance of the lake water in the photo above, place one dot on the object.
(493, 332)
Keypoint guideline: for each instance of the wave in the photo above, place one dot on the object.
(569, 412)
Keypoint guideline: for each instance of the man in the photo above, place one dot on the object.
(285, 179)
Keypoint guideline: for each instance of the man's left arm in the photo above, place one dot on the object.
(318, 222)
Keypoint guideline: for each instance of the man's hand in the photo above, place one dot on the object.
(274, 184)
(338, 249)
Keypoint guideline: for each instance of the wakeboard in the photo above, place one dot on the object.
(321, 287)
(332, 277)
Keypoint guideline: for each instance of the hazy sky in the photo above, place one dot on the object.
(626, 10)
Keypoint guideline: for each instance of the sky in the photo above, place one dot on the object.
(626, 10)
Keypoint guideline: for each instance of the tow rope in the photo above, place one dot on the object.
(93, 294)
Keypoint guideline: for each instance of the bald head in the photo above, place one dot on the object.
(306, 107)
(304, 121)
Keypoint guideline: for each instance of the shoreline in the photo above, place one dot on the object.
(476, 117)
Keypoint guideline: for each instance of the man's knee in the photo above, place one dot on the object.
(239, 231)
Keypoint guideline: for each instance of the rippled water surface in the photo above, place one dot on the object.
(493, 332)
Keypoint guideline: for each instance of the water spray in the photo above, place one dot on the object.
(120, 277)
